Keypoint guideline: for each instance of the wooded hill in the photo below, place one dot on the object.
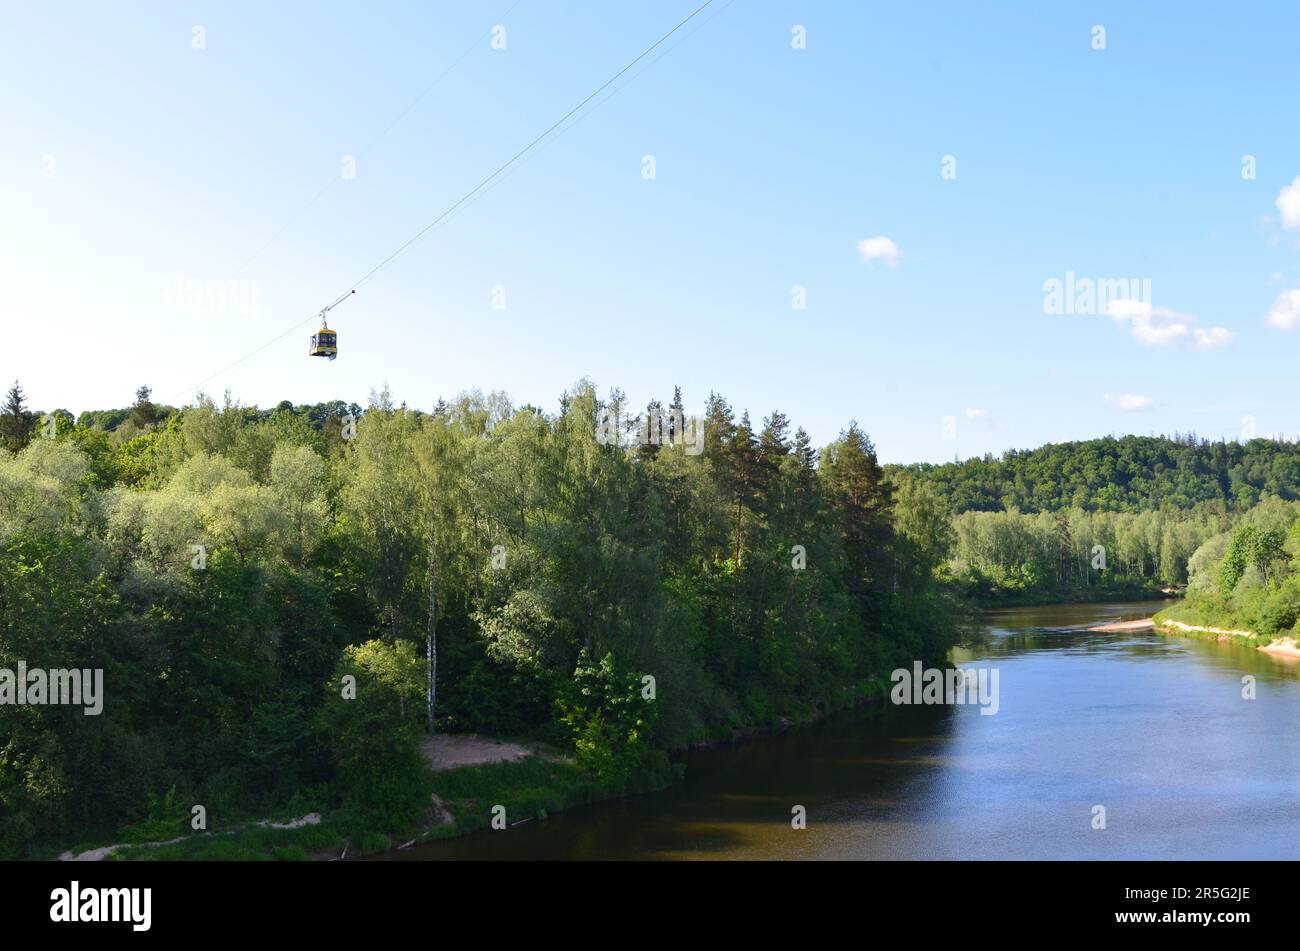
(1126, 474)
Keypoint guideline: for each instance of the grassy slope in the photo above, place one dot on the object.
(529, 789)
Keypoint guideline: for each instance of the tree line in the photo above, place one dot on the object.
(478, 566)
(1127, 474)
(1079, 553)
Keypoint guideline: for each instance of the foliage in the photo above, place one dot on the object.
(227, 565)
(611, 721)
(1128, 474)
(370, 724)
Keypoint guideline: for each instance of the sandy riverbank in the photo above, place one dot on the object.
(1207, 630)
(1145, 624)
(1282, 646)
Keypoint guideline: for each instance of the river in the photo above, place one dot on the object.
(1152, 728)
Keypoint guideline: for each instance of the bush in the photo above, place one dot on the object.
(372, 723)
(611, 722)
(168, 817)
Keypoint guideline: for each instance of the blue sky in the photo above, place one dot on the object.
(133, 163)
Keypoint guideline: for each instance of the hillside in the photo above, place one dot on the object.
(1127, 474)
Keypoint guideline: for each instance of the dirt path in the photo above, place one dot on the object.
(453, 750)
(106, 851)
(444, 752)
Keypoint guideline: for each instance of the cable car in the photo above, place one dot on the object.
(324, 343)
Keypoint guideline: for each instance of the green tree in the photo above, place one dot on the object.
(16, 423)
(143, 412)
(369, 723)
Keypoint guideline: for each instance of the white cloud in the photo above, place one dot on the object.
(1163, 327)
(973, 413)
(1288, 203)
(1129, 402)
(879, 248)
(1285, 312)
(1211, 339)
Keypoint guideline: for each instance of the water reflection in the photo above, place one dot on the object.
(1154, 729)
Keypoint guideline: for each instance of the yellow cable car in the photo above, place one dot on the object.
(324, 343)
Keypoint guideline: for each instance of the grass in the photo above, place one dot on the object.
(255, 843)
(529, 789)
(532, 788)
(1186, 613)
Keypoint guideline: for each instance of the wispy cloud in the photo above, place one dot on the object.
(1129, 402)
(974, 413)
(1163, 327)
(879, 248)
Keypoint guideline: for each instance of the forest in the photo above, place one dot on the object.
(284, 603)
(1127, 474)
(1248, 577)
(1101, 518)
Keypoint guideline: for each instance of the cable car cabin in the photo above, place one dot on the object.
(324, 343)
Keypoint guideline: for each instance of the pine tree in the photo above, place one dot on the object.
(743, 454)
(653, 432)
(144, 413)
(676, 417)
(857, 488)
(773, 447)
(15, 423)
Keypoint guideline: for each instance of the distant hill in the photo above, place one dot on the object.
(1129, 474)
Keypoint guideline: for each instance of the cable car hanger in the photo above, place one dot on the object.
(325, 342)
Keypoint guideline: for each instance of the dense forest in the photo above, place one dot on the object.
(478, 566)
(1128, 474)
(1105, 517)
(1079, 553)
(1248, 577)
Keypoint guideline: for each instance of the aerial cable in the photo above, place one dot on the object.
(518, 155)
(377, 139)
(650, 65)
(473, 191)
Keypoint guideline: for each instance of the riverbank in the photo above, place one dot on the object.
(1282, 646)
(1119, 627)
(474, 783)
(928, 784)
(1002, 598)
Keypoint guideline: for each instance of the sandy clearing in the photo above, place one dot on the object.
(454, 750)
(1145, 624)
(1283, 647)
(1207, 630)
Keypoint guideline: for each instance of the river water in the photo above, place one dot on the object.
(1152, 728)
